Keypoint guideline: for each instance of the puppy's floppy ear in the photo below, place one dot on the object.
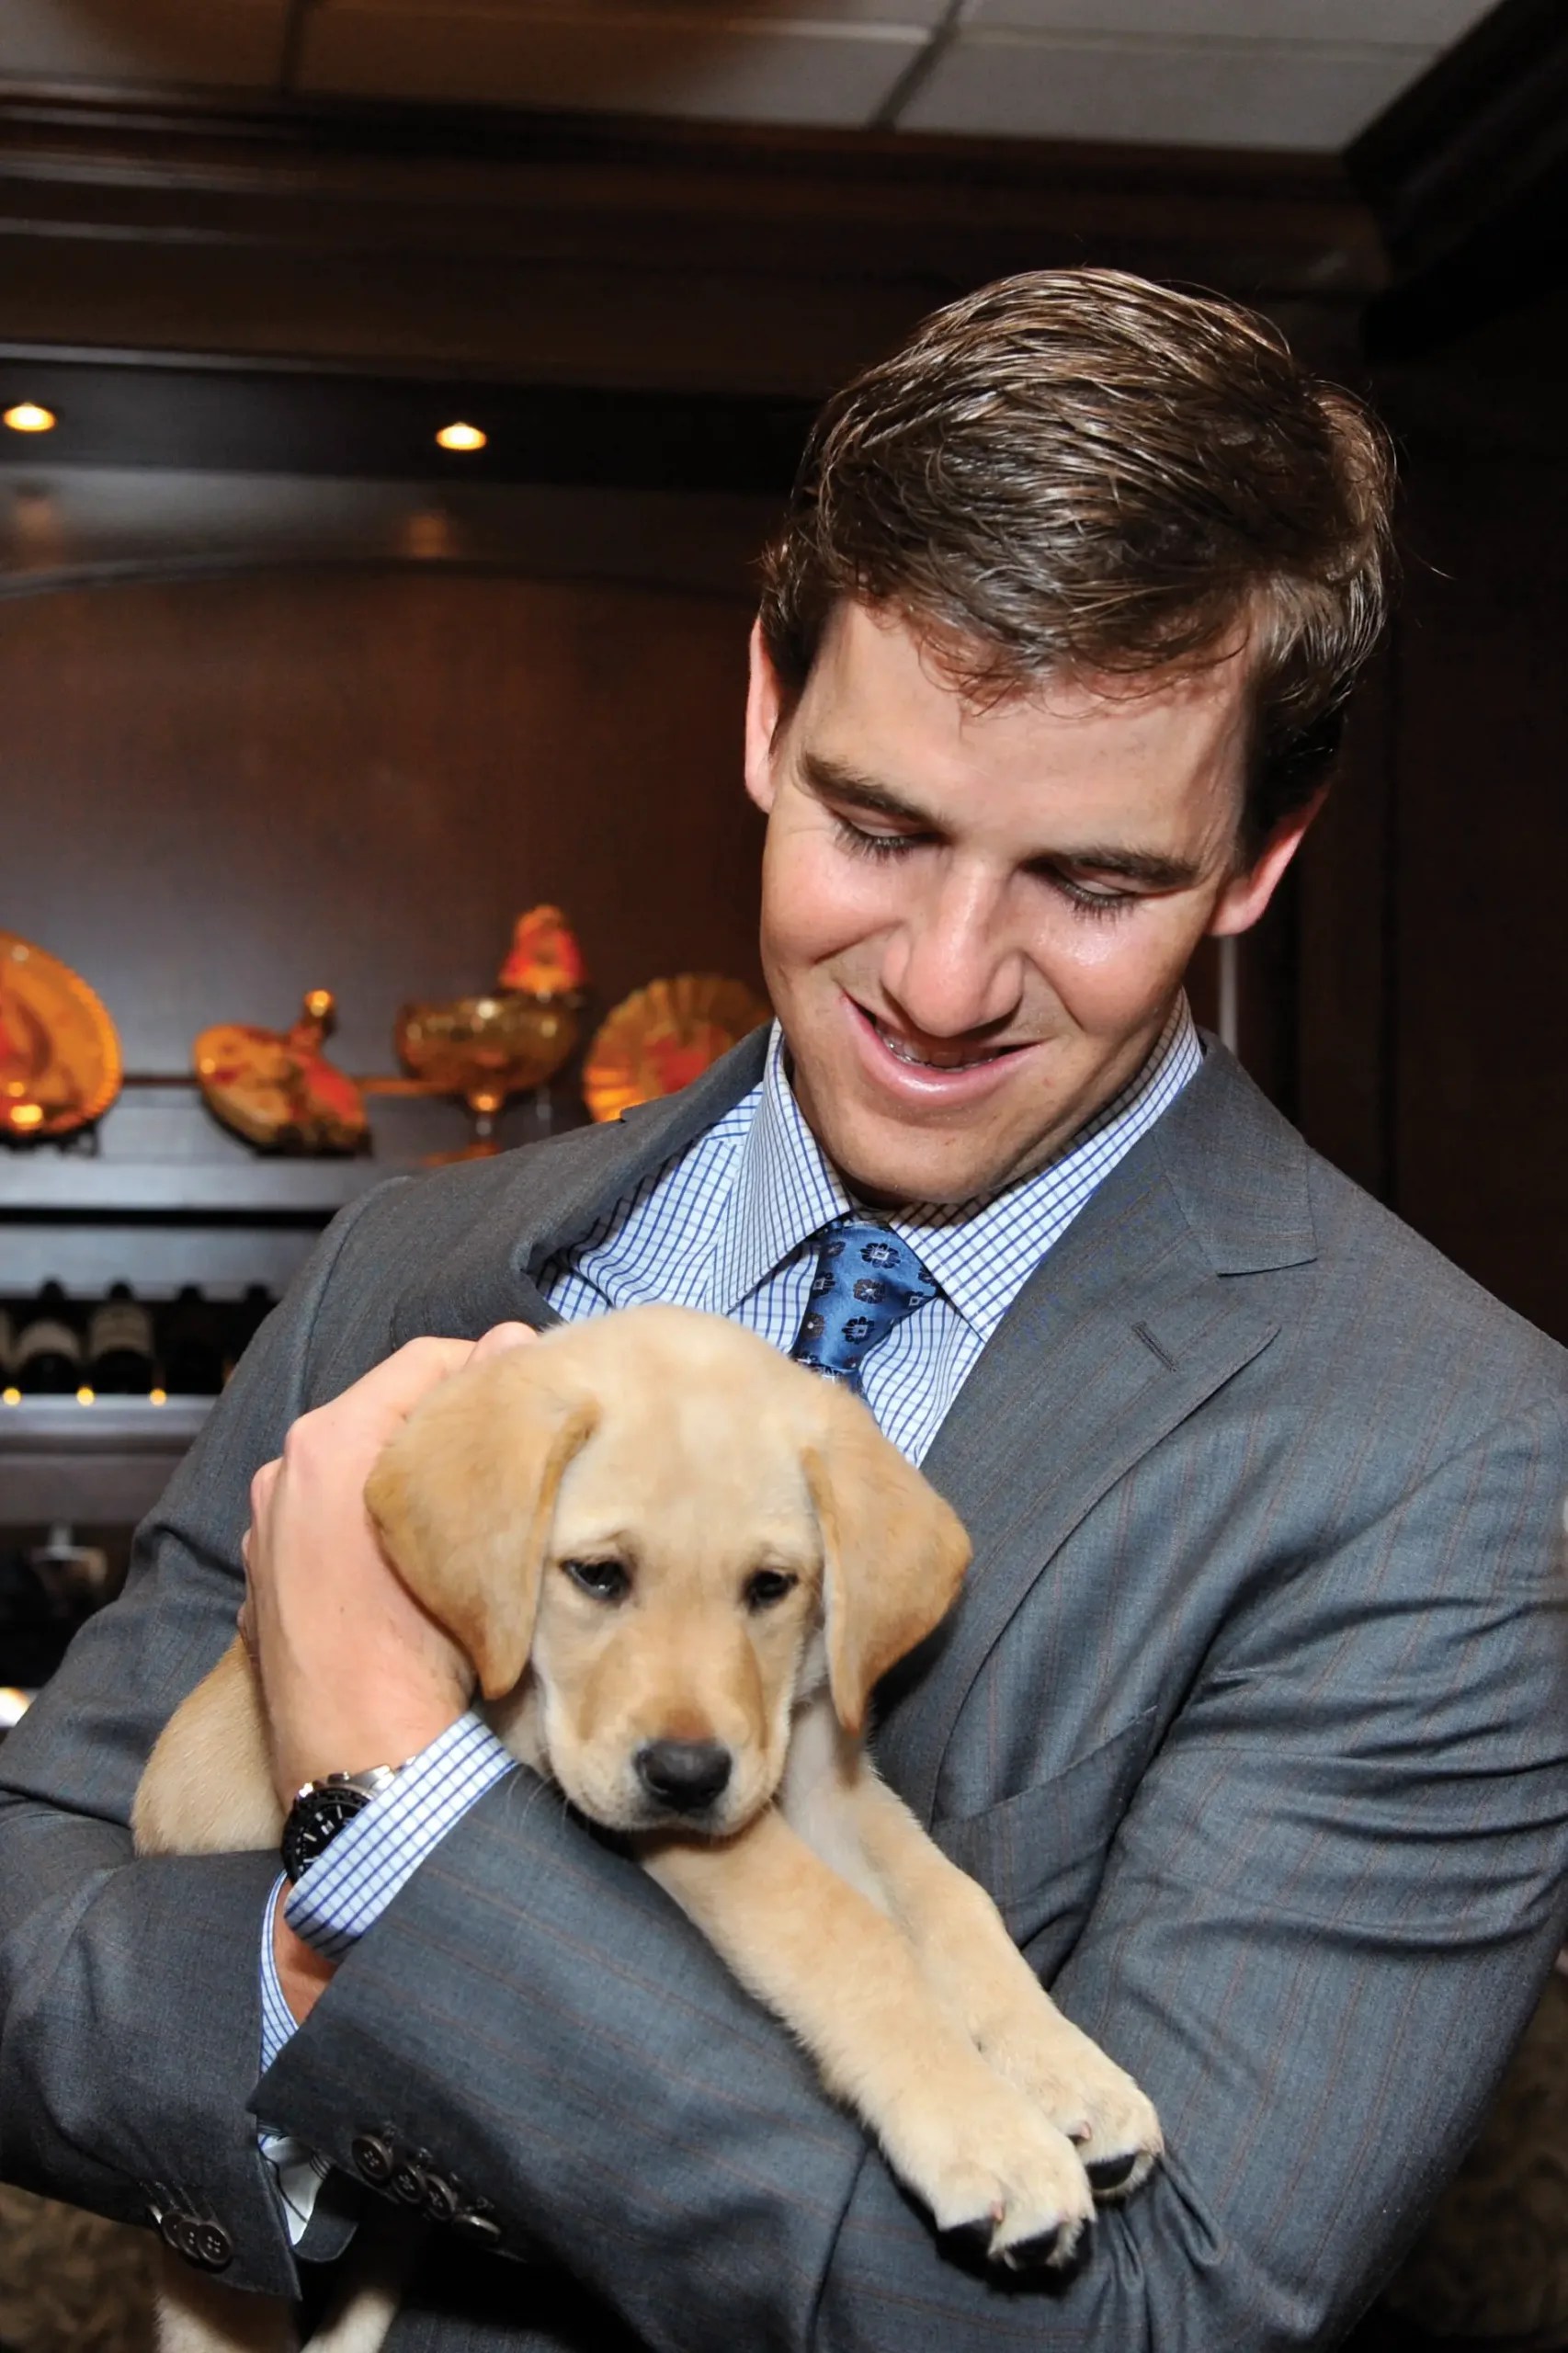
(463, 1497)
(893, 1552)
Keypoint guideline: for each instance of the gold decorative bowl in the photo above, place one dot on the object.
(485, 1048)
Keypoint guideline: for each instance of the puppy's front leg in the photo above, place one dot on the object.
(822, 1956)
(967, 1957)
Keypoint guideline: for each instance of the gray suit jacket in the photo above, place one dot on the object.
(1254, 1718)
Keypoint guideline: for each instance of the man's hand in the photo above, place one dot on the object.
(354, 1671)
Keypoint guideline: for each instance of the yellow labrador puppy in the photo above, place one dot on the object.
(679, 1563)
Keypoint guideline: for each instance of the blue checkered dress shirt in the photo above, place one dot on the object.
(730, 1225)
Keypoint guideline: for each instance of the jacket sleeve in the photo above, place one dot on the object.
(129, 2005)
(1322, 1922)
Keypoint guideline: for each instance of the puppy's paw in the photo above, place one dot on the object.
(1000, 2179)
(1111, 2122)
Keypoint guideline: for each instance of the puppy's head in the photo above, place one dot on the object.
(681, 1534)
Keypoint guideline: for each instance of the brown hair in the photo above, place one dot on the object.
(1078, 470)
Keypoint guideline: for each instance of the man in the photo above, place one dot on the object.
(1252, 1716)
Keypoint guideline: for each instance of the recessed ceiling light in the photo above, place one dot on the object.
(27, 418)
(461, 436)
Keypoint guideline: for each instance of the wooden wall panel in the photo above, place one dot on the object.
(219, 792)
(1479, 1115)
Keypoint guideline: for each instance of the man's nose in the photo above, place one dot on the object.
(953, 966)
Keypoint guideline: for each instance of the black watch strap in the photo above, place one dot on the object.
(324, 1808)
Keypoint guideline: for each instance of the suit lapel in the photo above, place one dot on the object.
(528, 1205)
(1124, 1330)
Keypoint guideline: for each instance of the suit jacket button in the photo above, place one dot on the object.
(174, 2230)
(408, 2182)
(477, 2227)
(374, 2158)
(440, 2198)
(212, 2247)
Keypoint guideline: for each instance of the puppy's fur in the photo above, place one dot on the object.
(654, 1537)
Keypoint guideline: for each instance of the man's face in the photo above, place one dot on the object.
(975, 920)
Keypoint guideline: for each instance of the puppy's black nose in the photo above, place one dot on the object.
(686, 1774)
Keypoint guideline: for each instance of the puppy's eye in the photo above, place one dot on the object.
(768, 1586)
(603, 1580)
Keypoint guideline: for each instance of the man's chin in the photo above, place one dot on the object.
(932, 1168)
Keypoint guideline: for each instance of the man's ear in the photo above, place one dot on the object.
(464, 1498)
(765, 708)
(893, 1552)
(1245, 895)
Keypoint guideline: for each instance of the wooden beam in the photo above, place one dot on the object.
(556, 249)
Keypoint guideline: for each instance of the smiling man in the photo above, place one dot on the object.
(1254, 1715)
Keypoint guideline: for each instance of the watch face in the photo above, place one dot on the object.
(316, 1816)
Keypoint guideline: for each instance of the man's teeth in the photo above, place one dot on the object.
(927, 1062)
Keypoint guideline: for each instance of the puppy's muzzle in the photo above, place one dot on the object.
(686, 1776)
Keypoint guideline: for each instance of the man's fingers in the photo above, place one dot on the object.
(499, 1338)
(375, 1403)
(396, 1385)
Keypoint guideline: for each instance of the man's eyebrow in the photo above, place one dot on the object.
(1153, 868)
(833, 781)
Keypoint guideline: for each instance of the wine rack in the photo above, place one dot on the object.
(159, 1198)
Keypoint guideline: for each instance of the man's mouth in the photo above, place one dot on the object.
(953, 1057)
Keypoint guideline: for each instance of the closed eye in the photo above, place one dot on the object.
(861, 844)
(1085, 899)
(608, 1581)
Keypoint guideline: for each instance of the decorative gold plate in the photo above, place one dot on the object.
(60, 1064)
(660, 1039)
(276, 1087)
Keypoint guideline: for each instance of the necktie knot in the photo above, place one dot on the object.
(867, 1280)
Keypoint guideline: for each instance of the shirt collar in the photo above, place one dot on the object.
(785, 1190)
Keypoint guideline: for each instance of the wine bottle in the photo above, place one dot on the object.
(192, 1347)
(242, 1322)
(120, 1345)
(48, 1359)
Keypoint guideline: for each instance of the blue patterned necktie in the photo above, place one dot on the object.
(867, 1280)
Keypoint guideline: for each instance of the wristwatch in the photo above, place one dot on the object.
(324, 1808)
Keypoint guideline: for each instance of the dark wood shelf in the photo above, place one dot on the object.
(74, 1183)
(159, 1195)
(100, 1464)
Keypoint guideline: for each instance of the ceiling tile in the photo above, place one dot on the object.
(621, 60)
(211, 42)
(1168, 93)
(1413, 24)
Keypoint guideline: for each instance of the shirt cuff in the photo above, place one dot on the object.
(299, 2170)
(278, 2020)
(345, 1891)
